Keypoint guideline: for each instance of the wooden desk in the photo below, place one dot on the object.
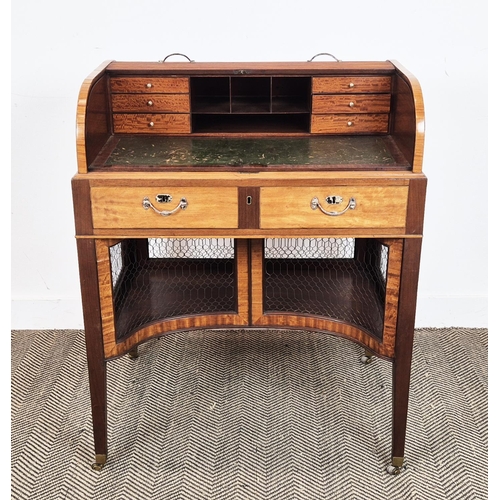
(249, 195)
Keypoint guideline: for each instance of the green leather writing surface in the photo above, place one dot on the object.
(266, 152)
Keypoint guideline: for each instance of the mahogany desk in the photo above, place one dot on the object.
(250, 195)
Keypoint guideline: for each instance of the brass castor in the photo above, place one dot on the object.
(367, 358)
(133, 353)
(100, 460)
(396, 467)
(394, 471)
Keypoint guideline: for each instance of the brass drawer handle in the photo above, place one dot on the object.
(146, 204)
(350, 206)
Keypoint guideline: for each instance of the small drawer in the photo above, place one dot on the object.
(153, 85)
(374, 207)
(152, 123)
(351, 103)
(350, 124)
(351, 84)
(119, 207)
(164, 103)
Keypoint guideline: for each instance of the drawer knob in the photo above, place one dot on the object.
(351, 104)
(351, 205)
(146, 204)
(351, 85)
(151, 124)
(149, 85)
(150, 103)
(350, 124)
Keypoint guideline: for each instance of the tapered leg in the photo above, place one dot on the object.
(94, 344)
(403, 350)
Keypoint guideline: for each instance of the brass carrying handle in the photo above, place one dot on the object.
(178, 54)
(323, 54)
(146, 204)
(350, 206)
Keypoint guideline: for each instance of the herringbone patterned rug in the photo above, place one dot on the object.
(249, 415)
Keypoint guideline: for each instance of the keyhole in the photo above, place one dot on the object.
(249, 200)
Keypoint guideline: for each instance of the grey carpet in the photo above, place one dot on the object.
(249, 415)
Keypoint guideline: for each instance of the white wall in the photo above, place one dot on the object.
(56, 44)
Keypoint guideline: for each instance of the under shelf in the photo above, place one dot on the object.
(332, 288)
(342, 279)
(160, 278)
(149, 288)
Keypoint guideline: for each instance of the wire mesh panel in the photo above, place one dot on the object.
(161, 278)
(191, 248)
(340, 278)
(116, 260)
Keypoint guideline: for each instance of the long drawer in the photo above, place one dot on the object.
(138, 207)
(348, 207)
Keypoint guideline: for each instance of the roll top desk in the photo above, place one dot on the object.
(249, 195)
